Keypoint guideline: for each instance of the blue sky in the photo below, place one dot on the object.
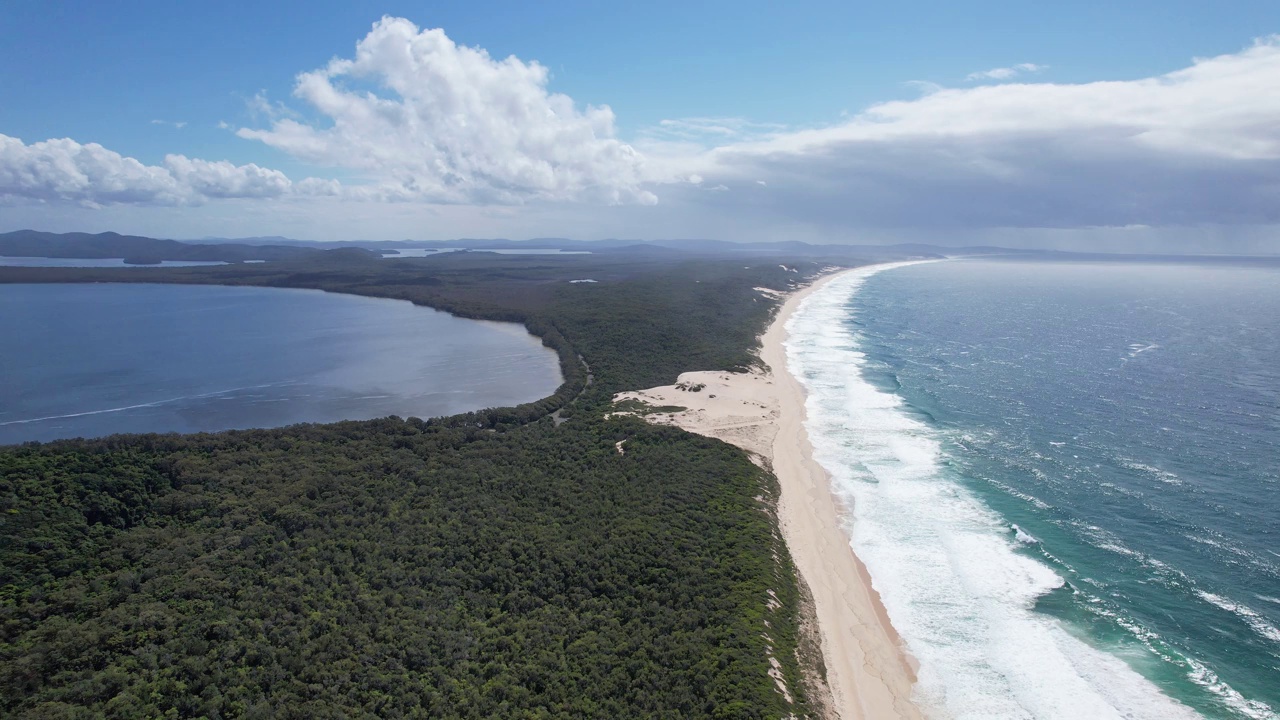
(151, 80)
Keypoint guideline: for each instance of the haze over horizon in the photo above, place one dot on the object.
(1154, 127)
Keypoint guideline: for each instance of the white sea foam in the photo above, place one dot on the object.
(1136, 349)
(1259, 563)
(1196, 671)
(1163, 476)
(945, 565)
(1021, 495)
(1250, 616)
(1209, 680)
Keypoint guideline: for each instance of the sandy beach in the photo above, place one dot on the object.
(868, 673)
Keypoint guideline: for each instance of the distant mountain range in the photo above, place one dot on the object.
(690, 245)
(139, 250)
(144, 250)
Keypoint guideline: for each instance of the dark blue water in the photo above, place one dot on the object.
(92, 360)
(1122, 421)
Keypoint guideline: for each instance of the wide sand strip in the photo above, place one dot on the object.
(763, 412)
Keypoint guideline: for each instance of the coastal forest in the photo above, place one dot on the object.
(552, 560)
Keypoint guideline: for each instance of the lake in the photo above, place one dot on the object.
(88, 360)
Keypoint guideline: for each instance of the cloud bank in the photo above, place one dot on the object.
(63, 170)
(1197, 146)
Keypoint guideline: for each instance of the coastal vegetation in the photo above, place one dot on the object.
(509, 562)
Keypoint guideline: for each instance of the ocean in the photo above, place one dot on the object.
(1063, 477)
(87, 360)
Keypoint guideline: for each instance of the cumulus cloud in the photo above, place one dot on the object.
(1006, 73)
(225, 180)
(424, 118)
(63, 170)
(318, 187)
(1197, 146)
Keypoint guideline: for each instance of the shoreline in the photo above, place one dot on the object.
(869, 674)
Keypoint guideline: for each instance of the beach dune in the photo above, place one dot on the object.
(869, 675)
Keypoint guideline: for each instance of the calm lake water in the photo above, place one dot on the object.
(95, 359)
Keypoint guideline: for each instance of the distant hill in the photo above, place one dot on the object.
(136, 249)
(631, 245)
(641, 249)
(258, 240)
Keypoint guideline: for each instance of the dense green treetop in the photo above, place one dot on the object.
(499, 564)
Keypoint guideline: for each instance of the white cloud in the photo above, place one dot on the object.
(66, 170)
(711, 131)
(1006, 73)
(424, 118)
(319, 187)
(1197, 146)
(262, 108)
(63, 170)
(224, 180)
(924, 87)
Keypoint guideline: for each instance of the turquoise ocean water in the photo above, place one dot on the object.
(1064, 478)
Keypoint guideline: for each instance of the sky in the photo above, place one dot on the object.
(1136, 126)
